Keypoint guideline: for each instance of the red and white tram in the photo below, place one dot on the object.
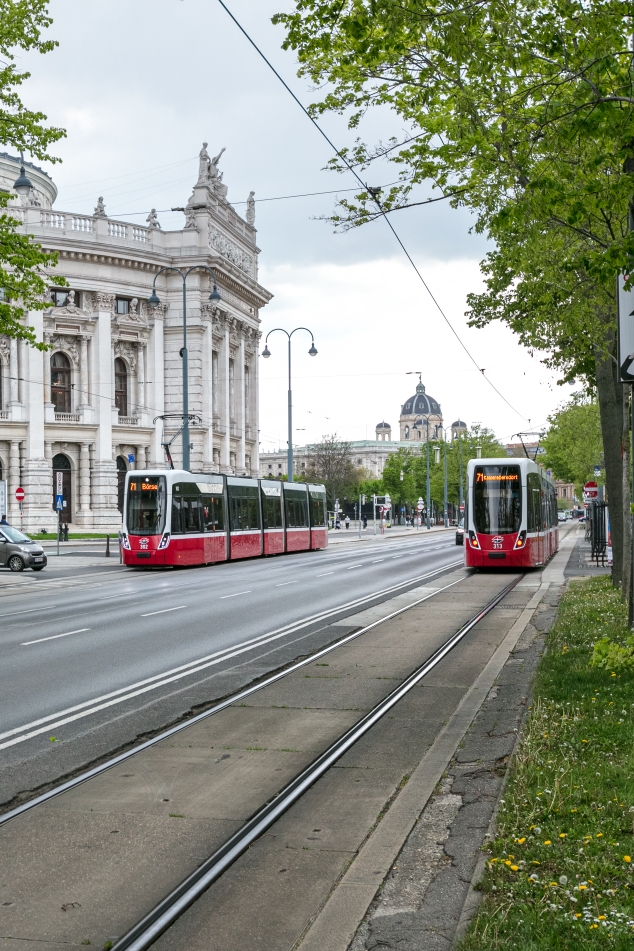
(511, 514)
(185, 518)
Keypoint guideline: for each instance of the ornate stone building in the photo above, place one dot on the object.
(86, 407)
(421, 417)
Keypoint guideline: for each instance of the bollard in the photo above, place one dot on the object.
(107, 546)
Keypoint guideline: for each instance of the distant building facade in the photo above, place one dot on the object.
(82, 413)
(372, 455)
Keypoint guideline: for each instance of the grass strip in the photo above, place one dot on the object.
(561, 871)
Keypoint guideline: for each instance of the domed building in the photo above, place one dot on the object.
(459, 428)
(383, 432)
(421, 417)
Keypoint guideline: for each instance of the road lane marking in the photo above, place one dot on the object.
(378, 561)
(54, 637)
(286, 582)
(234, 595)
(324, 574)
(88, 707)
(165, 611)
(353, 566)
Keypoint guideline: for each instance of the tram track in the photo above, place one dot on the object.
(150, 928)
(165, 913)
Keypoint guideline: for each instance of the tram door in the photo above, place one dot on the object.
(61, 469)
(535, 518)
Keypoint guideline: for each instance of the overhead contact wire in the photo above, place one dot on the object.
(376, 200)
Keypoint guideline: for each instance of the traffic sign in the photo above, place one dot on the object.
(59, 476)
(420, 505)
(590, 491)
(19, 494)
(59, 503)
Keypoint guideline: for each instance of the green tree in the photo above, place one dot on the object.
(573, 442)
(24, 264)
(523, 113)
(330, 462)
(398, 479)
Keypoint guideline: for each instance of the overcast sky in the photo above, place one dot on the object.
(140, 84)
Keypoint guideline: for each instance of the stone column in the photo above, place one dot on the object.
(104, 473)
(14, 480)
(84, 516)
(47, 372)
(148, 463)
(241, 416)
(15, 408)
(223, 387)
(84, 396)
(140, 375)
(35, 471)
(156, 386)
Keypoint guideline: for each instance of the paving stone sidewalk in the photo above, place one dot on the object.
(427, 900)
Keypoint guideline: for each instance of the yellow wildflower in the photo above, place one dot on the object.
(547, 842)
(626, 858)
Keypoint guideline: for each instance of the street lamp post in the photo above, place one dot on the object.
(427, 486)
(154, 301)
(460, 495)
(266, 353)
(445, 499)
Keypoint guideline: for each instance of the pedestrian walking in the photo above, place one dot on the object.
(347, 521)
(3, 520)
(365, 521)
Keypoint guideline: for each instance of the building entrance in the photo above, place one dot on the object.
(61, 464)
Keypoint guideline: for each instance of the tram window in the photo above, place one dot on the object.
(213, 513)
(317, 510)
(296, 506)
(497, 492)
(146, 506)
(272, 511)
(186, 509)
(533, 504)
(244, 510)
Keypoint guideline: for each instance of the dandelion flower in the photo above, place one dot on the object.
(547, 842)
(562, 835)
(563, 880)
(626, 858)
(514, 868)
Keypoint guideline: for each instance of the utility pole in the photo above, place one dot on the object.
(445, 497)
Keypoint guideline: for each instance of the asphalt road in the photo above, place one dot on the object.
(89, 663)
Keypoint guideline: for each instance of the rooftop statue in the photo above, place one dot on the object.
(100, 210)
(152, 219)
(208, 168)
(250, 216)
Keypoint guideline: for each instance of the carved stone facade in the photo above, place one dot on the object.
(83, 412)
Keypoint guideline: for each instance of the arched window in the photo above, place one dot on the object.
(121, 386)
(407, 432)
(62, 479)
(122, 468)
(60, 383)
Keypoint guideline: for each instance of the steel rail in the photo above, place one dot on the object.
(163, 915)
(237, 697)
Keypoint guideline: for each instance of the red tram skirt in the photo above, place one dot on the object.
(273, 541)
(318, 538)
(297, 539)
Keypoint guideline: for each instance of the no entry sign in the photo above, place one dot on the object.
(19, 494)
(590, 491)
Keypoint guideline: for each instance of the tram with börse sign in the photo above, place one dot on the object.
(182, 518)
(510, 514)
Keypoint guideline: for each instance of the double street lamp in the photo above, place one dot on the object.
(154, 301)
(427, 486)
(266, 353)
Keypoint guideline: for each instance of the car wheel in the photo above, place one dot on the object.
(37, 567)
(15, 563)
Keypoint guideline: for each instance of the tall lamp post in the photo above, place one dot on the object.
(460, 495)
(154, 301)
(445, 499)
(266, 353)
(427, 487)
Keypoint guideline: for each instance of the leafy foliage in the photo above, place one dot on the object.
(330, 462)
(573, 442)
(23, 263)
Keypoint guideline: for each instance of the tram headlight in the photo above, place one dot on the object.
(473, 538)
(125, 541)
(521, 540)
(164, 542)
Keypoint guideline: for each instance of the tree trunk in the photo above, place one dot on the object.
(626, 584)
(615, 436)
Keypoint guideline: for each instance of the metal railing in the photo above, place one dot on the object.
(597, 531)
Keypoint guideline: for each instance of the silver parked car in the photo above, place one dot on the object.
(18, 551)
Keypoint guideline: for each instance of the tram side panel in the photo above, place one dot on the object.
(272, 517)
(243, 496)
(296, 517)
(318, 529)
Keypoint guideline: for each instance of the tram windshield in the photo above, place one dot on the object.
(497, 499)
(146, 505)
